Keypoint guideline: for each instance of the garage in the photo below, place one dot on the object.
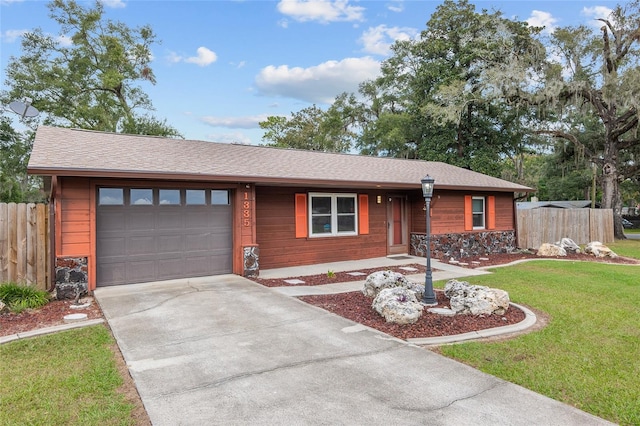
(154, 234)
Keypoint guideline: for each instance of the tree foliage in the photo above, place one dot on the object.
(311, 129)
(15, 185)
(88, 76)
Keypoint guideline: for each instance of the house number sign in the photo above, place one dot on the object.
(246, 210)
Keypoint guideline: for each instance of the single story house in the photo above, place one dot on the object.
(130, 209)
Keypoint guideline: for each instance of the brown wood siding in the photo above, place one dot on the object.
(75, 224)
(276, 232)
(447, 212)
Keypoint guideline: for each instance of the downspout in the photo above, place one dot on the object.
(52, 232)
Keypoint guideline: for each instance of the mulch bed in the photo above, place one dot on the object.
(357, 307)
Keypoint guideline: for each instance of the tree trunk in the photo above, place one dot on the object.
(610, 187)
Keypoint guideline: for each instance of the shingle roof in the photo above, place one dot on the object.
(73, 152)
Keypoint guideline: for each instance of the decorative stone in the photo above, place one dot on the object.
(70, 290)
(251, 260)
(294, 281)
(551, 250)
(442, 311)
(3, 306)
(484, 259)
(465, 298)
(81, 306)
(356, 274)
(397, 305)
(74, 318)
(598, 249)
(408, 268)
(569, 245)
(380, 280)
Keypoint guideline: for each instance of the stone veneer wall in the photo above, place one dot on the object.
(446, 246)
(71, 277)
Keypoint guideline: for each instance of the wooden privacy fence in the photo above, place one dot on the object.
(24, 244)
(548, 225)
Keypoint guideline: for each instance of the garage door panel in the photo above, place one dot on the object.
(141, 271)
(112, 221)
(172, 268)
(112, 246)
(111, 273)
(140, 221)
(142, 243)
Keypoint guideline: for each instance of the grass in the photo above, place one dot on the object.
(18, 298)
(626, 248)
(64, 378)
(587, 356)
(632, 231)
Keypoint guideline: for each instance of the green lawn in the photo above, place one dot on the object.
(627, 248)
(67, 378)
(589, 354)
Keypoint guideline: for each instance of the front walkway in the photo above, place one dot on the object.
(443, 271)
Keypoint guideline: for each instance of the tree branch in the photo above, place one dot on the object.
(568, 136)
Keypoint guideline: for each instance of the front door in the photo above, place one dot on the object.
(397, 227)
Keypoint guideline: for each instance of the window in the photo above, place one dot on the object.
(332, 214)
(477, 204)
(141, 197)
(219, 197)
(111, 196)
(169, 197)
(196, 196)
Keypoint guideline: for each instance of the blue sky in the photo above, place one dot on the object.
(223, 66)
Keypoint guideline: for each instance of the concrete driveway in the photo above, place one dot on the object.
(227, 351)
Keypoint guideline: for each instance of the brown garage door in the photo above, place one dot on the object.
(153, 234)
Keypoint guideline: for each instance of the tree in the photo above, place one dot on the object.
(311, 129)
(91, 81)
(596, 76)
(15, 185)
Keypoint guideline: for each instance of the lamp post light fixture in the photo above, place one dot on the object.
(428, 297)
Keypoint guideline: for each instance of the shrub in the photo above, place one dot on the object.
(18, 298)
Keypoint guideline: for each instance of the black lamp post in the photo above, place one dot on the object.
(429, 297)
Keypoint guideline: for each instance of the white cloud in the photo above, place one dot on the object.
(247, 122)
(317, 84)
(235, 137)
(378, 40)
(114, 4)
(396, 6)
(323, 11)
(596, 12)
(11, 36)
(204, 57)
(539, 18)
(64, 41)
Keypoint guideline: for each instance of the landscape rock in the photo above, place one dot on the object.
(380, 280)
(598, 249)
(70, 290)
(3, 307)
(465, 298)
(551, 250)
(398, 305)
(569, 245)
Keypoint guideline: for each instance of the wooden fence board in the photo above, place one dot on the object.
(24, 244)
(548, 225)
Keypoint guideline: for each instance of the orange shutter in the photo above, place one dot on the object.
(301, 215)
(491, 212)
(468, 213)
(363, 214)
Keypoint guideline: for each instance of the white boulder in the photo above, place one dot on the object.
(551, 250)
(598, 249)
(569, 245)
(465, 298)
(380, 280)
(398, 305)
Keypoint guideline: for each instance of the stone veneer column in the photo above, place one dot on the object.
(251, 261)
(71, 277)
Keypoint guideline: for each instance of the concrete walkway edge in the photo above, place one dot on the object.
(49, 330)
